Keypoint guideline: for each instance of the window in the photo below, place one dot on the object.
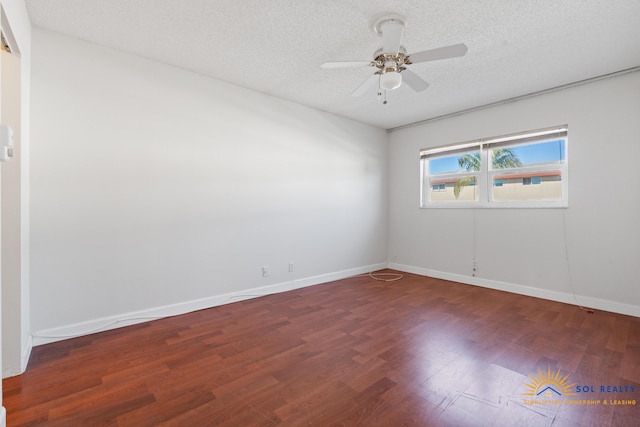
(521, 170)
(531, 180)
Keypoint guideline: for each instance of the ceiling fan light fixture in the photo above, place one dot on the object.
(390, 80)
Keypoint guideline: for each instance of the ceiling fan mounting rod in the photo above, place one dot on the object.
(394, 17)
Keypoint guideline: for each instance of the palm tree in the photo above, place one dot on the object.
(504, 158)
(501, 158)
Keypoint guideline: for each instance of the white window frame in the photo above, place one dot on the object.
(484, 177)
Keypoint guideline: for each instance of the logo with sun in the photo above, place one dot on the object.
(549, 385)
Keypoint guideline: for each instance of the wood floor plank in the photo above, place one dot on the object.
(418, 351)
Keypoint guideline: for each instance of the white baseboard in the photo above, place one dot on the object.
(26, 353)
(585, 301)
(106, 323)
(3, 417)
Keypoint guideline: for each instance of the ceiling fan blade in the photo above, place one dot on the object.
(414, 81)
(453, 51)
(345, 64)
(368, 84)
(391, 35)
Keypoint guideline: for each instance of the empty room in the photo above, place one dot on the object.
(355, 213)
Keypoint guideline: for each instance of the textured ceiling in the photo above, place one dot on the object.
(516, 47)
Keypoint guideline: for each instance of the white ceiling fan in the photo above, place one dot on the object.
(391, 61)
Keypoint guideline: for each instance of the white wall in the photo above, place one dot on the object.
(523, 250)
(152, 186)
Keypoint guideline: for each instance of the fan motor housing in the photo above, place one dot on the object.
(381, 60)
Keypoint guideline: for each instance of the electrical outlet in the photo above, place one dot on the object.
(265, 271)
(290, 266)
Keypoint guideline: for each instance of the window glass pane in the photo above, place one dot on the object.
(469, 161)
(549, 152)
(526, 186)
(454, 188)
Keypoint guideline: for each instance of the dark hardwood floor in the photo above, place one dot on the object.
(356, 352)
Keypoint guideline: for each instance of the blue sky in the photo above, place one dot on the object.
(550, 151)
